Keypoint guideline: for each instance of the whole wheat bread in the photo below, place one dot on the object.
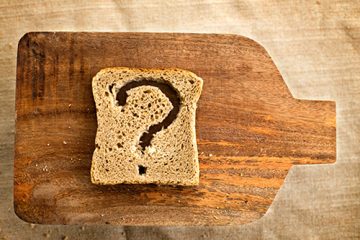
(146, 126)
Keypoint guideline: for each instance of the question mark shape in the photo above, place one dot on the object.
(170, 93)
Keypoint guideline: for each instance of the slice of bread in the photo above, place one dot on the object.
(146, 126)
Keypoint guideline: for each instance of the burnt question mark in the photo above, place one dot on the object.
(170, 93)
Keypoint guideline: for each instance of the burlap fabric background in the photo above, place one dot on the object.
(316, 46)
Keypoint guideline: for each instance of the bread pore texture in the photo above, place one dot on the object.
(146, 126)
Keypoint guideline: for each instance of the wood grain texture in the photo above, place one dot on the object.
(250, 130)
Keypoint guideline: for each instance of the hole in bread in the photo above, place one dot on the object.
(147, 91)
(106, 169)
(119, 145)
(106, 94)
(97, 146)
(110, 149)
(142, 170)
(191, 81)
(111, 87)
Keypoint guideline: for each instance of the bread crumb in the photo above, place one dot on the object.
(102, 215)
(36, 164)
(69, 127)
(70, 105)
(215, 217)
(82, 228)
(64, 142)
(64, 238)
(47, 235)
(48, 144)
(45, 169)
(241, 174)
(205, 235)
(210, 155)
(32, 225)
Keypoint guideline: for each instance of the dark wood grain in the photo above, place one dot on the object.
(250, 130)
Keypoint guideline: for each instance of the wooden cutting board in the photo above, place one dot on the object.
(250, 130)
